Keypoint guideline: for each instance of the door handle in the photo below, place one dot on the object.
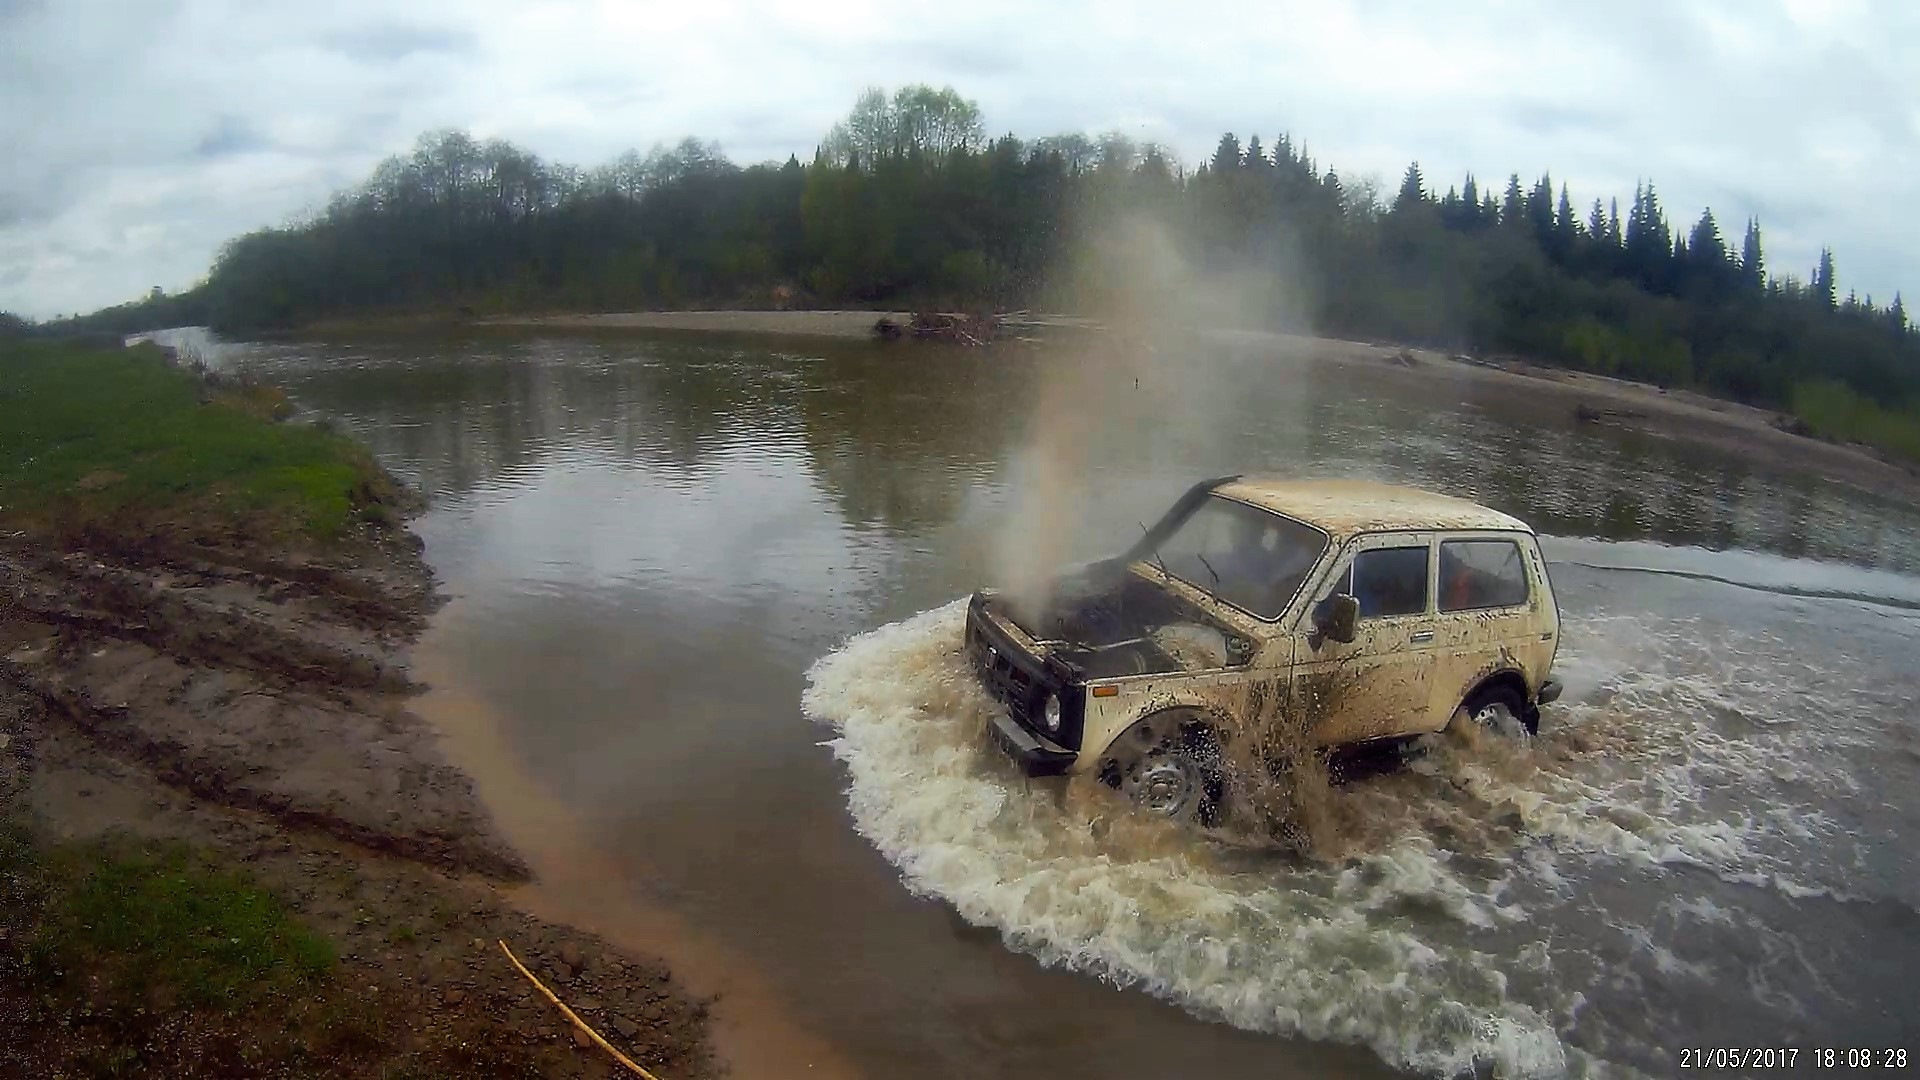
(1421, 637)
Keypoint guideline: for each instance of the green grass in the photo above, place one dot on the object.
(1836, 412)
(165, 927)
(124, 956)
(116, 439)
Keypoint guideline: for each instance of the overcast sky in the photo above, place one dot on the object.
(139, 136)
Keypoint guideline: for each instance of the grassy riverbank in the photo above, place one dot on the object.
(227, 847)
(1831, 411)
(117, 440)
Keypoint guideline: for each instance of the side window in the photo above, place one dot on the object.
(1390, 581)
(1481, 574)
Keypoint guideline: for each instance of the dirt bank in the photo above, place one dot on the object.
(254, 705)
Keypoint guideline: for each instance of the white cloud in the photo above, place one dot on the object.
(143, 135)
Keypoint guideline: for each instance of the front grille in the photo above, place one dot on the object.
(1010, 684)
(1017, 681)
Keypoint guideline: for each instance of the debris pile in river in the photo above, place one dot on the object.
(1590, 414)
(977, 328)
(963, 327)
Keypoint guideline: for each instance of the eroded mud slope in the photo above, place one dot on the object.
(275, 684)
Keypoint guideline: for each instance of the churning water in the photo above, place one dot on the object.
(1487, 912)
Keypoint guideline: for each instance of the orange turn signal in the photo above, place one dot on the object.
(1106, 691)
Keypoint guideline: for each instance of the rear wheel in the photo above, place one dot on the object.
(1169, 764)
(1500, 709)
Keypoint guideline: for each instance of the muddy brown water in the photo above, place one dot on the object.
(657, 546)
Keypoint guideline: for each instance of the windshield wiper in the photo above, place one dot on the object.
(1154, 550)
(1210, 570)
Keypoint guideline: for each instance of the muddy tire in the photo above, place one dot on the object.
(1170, 764)
(1500, 710)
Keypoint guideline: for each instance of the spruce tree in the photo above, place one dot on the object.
(1752, 263)
(1412, 189)
(1823, 288)
(1226, 158)
(1710, 262)
(1540, 208)
(1515, 205)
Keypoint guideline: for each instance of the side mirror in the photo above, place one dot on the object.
(1335, 618)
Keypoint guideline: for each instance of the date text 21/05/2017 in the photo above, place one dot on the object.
(1787, 1057)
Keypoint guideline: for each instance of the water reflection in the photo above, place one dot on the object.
(906, 438)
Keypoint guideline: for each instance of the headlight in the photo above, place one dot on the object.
(1050, 713)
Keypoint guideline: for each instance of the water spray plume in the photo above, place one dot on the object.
(1147, 368)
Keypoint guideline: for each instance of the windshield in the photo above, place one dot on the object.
(1249, 557)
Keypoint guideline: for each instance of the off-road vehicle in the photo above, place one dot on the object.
(1369, 614)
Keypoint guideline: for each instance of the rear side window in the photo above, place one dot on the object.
(1481, 574)
(1387, 581)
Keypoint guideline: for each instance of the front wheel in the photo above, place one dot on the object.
(1169, 764)
(1501, 710)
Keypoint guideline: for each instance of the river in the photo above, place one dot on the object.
(657, 548)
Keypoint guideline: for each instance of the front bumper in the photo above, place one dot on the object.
(1021, 682)
(1036, 755)
(1549, 693)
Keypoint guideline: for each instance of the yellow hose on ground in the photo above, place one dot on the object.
(575, 1017)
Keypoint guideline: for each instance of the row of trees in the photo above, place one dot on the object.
(907, 203)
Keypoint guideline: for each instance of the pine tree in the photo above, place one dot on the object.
(1614, 238)
(1412, 190)
(1823, 288)
(1710, 261)
(1540, 208)
(1597, 221)
(1226, 158)
(1470, 202)
(1752, 263)
(1255, 159)
(1897, 315)
(1514, 205)
(1657, 218)
(1650, 247)
(1565, 225)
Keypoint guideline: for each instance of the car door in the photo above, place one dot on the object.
(1378, 684)
(1487, 616)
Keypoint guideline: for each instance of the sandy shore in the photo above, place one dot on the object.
(835, 324)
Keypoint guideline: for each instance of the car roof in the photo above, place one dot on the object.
(1347, 507)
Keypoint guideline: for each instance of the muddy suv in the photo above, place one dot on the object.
(1356, 614)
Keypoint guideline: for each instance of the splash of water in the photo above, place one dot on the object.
(1406, 929)
(1077, 883)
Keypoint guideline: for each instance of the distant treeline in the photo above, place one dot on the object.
(906, 203)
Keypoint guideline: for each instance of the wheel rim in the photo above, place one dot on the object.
(1165, 784)
(1499, 717)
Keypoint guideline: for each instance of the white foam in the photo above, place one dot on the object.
(1293, 949)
